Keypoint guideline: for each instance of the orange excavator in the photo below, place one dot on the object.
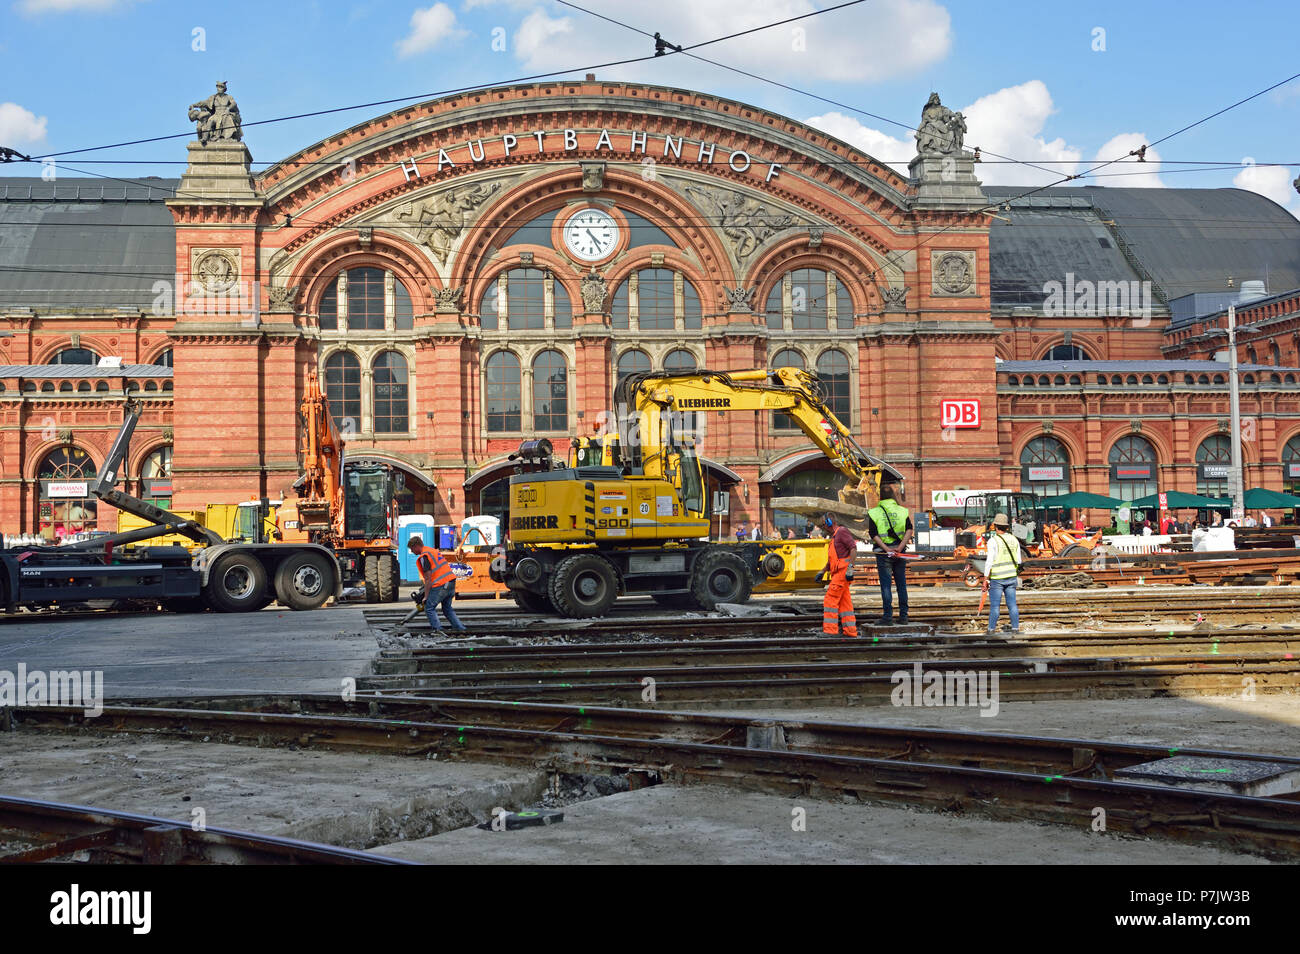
(349, 506)
(1024, 513)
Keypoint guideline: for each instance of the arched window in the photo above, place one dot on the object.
(503, 392)
(75, 356)
(65, 505)
(1291, 466)
(47, 386)
(367, 302)
(1274, 354)
(343, 389)
(1066, 353)
(630, 362)
(1045, 467)
(655, 310)
(1132, 468)
(66, 385)
(156, 477)
(391, 394)
(550, 392)
(1147, 379)
(833, 372)
(83, 386)
(679, 360)
(101, 387)
(163, 360)
(807, 299)
(662, 299)
(692, 312)
(789, 358)
(1220, 379)
(619, 307)
(1059, 380)
(1013, 379)
(1213, 465)
(1251, 356)
(516, 301)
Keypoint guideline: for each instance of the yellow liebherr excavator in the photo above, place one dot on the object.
(626, 512)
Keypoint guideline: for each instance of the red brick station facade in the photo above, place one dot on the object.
(476, 270)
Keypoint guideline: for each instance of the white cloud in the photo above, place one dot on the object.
(1010, 122)
(1272, 182)
(866, 43)
(429, 27)
(68, 6)
(873, 142)
(1128, 172)
(18, 125)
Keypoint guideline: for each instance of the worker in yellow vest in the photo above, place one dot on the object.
(1001, 571)
(439, 585)
(891, 532)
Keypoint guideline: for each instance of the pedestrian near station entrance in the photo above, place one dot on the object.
(891, 532)
(1001, 570)
(439, 585)
(838, 618)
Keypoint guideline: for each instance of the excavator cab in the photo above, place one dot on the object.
(369, 491)
(1021, 510)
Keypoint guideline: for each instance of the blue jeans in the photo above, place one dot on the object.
(998, 589)
(443, 596)
(892, 570)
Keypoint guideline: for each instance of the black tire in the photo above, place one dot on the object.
(583, 585)
(720, 577)
(387, 578)
(531, 602)
(371, 571)
(304, 581)
(186, 604)
(236, 584)
(1075, 550)
(679, 601)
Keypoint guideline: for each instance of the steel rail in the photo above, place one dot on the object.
(57, 830)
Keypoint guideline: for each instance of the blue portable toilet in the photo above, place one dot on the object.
(412, 525)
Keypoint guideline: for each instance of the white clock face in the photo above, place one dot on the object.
(591, 235)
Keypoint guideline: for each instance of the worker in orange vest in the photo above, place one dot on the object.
(439, 585)
(838, 618)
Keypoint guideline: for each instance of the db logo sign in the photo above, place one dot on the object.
(963, 413)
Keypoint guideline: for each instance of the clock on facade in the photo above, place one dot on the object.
(591, 234)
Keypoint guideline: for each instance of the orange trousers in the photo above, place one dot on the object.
(838, 618)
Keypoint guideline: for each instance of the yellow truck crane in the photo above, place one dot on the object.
(627, 514)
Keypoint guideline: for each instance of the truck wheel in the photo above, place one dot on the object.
(372, 578)
(237, 584)
(584, 585)
(1075, 550)
(682, 601)
(531, 602)
(387, 578)
(720, 577)
(304, 581)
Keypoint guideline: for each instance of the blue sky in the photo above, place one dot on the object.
(1034, 78)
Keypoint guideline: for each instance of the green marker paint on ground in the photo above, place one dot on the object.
(1210, 771)
(1053, 778)
(582, 711)
(1172, 751)
(1214, 649)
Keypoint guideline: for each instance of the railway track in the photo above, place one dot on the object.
(1063, 781)
(37, 831)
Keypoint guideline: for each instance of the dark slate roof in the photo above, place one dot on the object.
(1135, 367)
(84, 243)
(1185, 240)
(83, 371)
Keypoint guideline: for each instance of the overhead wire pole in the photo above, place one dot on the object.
(1235, 483)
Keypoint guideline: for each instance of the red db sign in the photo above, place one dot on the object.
(963, 413)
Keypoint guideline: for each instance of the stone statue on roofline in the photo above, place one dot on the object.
(941, 131)
(217, 117)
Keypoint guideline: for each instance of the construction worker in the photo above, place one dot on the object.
(1001, 569)
(439, 585)
(891, 532)
(838, 618)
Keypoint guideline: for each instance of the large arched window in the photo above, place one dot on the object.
(517, 301)
(343, 389)
(1213, 466)
(662, 299)
(369, 301)
(1066, 353)
(156, 477)
(1132, 468)
(1291, 466)
(679, 360)
(75, 356)
(1045, 468)
(809, 299)
(630, 362)
(503, 392)
(550, 392)
(391, 394)
(65, 504)
(788, 358)
(833, 372)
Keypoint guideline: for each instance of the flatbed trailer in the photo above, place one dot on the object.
(226, 577)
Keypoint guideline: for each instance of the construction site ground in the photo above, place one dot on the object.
(428, 810)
